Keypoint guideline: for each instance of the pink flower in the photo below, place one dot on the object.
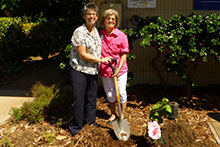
(154, 130)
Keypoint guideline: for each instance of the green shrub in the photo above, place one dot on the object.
(35, 111)
(49, 103)
(182, 42)
(28, 26)
(16, 114)
(58, 110)
(12, 44)
(49, 37)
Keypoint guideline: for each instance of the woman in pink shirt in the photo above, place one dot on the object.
(115, 45)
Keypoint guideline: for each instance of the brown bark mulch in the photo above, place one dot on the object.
(189, 129)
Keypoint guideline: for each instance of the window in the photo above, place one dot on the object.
(206, 5)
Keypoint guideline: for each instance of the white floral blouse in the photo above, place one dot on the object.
(82, 37)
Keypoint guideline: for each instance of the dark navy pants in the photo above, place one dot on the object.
(84, 88)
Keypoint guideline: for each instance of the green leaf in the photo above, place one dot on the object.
(156, 106)
(168, 108)
(213, 52)
(156, 114)
(194, 50)
(3, 6)
(165, 100)
(194, 84)
(204, 59)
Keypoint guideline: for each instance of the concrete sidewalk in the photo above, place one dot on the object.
(9, 99)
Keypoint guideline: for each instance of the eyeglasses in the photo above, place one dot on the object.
(110, 18)
(91, 14)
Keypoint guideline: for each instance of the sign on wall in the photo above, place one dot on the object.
(141, 3)
(206, 5)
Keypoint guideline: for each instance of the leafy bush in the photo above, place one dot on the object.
(42, 40)
(58, 111)
(49, 36)
(51, 8)
(12, 40)
(16, 113)
(184, 41)
(49, 104)
(16, 7)
(35, 111)
(27, 27)
(24, 37)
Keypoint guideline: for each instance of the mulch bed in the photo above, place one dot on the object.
(189, 129)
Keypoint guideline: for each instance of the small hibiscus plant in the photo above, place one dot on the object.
(157, 112)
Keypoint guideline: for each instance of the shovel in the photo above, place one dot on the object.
(121, 126)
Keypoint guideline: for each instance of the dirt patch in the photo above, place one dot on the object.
(178, 131)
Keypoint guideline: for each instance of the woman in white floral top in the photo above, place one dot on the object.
(85, 58)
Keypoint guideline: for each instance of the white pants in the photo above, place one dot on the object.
(109, 87)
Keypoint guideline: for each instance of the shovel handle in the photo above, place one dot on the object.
(113, 69)
(116, 85)
(117, 93)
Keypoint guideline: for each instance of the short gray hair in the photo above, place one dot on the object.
(90, 6)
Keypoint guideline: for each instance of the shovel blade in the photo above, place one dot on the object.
(121, 129)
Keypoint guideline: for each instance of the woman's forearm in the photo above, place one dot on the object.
(122, 61)
(86, 56)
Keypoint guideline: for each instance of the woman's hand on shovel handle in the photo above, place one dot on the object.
(122, 62)
(117, 72)
(106, 60)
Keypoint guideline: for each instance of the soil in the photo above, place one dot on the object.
(189, 129)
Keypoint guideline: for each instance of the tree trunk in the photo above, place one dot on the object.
(157, 71)
(191, 74)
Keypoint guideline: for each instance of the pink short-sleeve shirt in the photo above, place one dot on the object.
(113, 45)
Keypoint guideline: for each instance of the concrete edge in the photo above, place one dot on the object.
(214, 132)
(5, 122)
(10, 98)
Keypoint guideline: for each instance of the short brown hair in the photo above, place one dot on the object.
(108, 12)
(90, 6)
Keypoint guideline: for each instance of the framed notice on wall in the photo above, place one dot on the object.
(141, 3)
